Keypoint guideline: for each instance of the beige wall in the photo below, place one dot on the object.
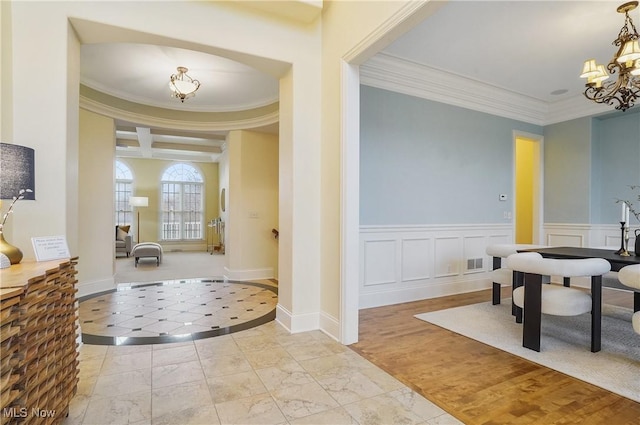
(252, 251)
(96, 242)
(146, 176)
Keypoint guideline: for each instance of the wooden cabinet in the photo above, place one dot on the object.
(38, 356)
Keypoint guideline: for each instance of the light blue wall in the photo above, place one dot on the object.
(567, 171)
(424, 162)
(615, 164)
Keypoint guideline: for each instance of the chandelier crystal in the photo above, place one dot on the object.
(624, 91)
(182, 86)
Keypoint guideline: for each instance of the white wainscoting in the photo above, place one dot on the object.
(407, 263)
(586, 235)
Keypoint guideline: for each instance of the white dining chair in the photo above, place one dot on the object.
(557, 299)
(630, 276)
(501, 275)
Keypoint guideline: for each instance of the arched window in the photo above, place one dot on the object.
(182, 203)
(122, 188)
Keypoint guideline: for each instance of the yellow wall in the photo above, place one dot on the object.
(525, 152)
(146, 175)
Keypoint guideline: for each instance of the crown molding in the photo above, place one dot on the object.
(151, 121)
(399, 75)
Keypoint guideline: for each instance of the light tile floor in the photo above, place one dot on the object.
(263, 375)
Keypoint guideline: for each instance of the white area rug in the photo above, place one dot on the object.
(564, 342)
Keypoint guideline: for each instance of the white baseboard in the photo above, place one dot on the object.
(248, 274)
(299, 322)
(97, 286)
(330, 325)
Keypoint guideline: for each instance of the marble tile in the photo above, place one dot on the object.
(134, 381)
(225, 365)
(192, 416)
(181, 352)
(176, 373)
(416, 403)
(303, 400)
(335, 365)
(121, 409)
(170, 345)
(445, 419)
(269, 358)
(137, 322)
(308, 351)
(259, 410)
(350, 387)
(256, 343)
(166, 326)
(216, 347)
(382, 409)
(282, 377)
(233, 387)
(90, 367)
(86, 352)
(126, 362)
(381, 378)
(176, 398)
(337, 416)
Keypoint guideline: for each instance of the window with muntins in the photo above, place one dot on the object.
(122, 189)
(182, 203)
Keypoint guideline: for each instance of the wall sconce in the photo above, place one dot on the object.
(17, 182)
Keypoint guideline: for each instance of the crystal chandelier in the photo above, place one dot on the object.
(624, 91)
(182, 86)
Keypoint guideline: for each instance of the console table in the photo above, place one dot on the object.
(39, 357)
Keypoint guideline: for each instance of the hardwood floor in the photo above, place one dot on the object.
(479, 384)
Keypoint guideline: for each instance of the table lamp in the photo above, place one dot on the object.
(17, 182)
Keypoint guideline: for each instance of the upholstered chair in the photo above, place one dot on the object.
(556, 299)
(630, 276)
(501, 275)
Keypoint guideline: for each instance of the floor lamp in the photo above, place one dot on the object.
(138, 202)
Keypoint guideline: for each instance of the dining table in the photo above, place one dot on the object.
(533, 291)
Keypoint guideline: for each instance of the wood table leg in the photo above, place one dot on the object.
(596, 313)
(532, 311)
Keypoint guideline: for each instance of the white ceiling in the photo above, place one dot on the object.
(140, 73)
(533, 48)
(530, 48)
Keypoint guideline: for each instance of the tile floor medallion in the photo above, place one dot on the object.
(175, 311)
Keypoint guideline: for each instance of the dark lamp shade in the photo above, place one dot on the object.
(17, 171)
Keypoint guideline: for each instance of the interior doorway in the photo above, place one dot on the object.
(528, 188)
